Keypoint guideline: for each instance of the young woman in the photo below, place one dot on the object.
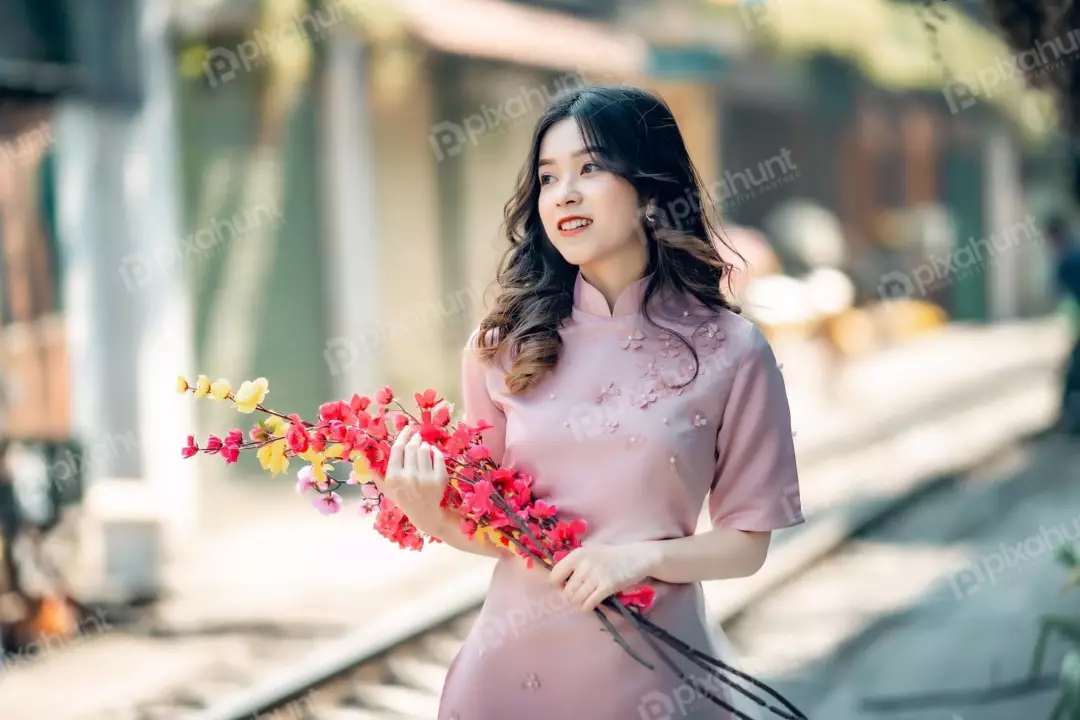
(615, 371)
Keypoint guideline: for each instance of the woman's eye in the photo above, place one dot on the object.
(545, 177)
(586, 166)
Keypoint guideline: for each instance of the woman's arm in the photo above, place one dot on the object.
(718, 554)
(478, 406)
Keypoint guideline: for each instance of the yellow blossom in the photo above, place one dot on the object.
(319, 470)
(490, 533)
(313, 456)
(202, 386)
(181, 384)
(273, 458)
(250, 394)
(220, 390)
(361, 470)
(335, 451)
(275, 426)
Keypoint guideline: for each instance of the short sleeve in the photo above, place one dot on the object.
(756, 481)
(478, 402)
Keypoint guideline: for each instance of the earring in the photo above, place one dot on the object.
(650, 214)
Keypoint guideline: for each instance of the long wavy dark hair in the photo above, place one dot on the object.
(638, 139)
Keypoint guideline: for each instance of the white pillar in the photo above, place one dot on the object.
(1002, 190)
(129, 320)
(355, 336)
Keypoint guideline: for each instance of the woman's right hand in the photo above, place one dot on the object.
(416, 480)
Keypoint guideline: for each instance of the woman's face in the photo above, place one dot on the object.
(588, 213)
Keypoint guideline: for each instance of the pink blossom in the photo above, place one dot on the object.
(328, 504)
(305, 482)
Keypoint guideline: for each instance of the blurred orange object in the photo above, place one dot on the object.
(55, 618)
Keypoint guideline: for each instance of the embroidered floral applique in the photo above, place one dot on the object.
(700, 421)
(610, 426)
(646, 398)
(634, 442)
(532, 682)
(652, 369)
(634, 341)
(608, 392)
(672, 347)
(709, 336)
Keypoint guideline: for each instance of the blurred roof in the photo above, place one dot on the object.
(479, 28)
(530, 36)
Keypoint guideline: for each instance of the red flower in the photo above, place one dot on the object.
(378, 430)
(231, 453)
(331, 411)
(400, 421)
(190, 449)
(338, 431)
(297, 436)
(479, 452)
(359, 403)
(479, 499)
(384, 396)
(430, 434)
(442, 416)
(641, 598)
(428, 400)
(234, 438)
(213, 444)
(541, 510)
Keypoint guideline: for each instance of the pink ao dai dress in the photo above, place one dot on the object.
(608, 439)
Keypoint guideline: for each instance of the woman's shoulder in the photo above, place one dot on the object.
(474, 346)
(689, 312)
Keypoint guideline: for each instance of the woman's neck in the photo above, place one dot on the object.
(611, 279)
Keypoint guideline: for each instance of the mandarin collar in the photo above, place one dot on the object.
(589, 300)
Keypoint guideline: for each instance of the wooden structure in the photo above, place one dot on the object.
(33, 356)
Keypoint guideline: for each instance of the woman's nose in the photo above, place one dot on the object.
(568, 194)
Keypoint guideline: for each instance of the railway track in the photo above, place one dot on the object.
(393, 672)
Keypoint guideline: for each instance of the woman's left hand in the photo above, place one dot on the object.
(596, 572)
